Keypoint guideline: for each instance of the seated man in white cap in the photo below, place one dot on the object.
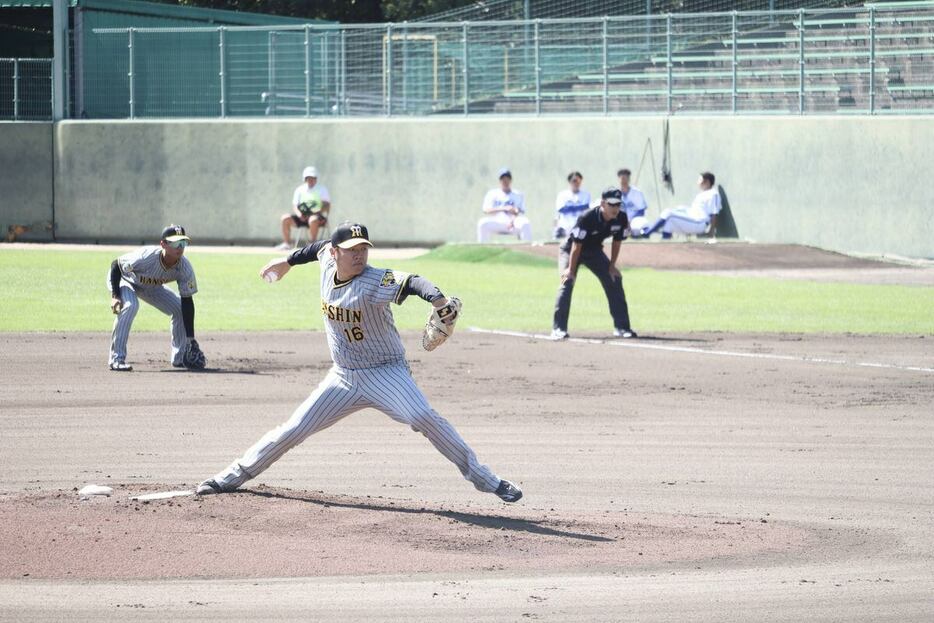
(504, 210)
(310, 205)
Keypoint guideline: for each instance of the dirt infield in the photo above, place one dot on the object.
(702, 476)
(272, 532)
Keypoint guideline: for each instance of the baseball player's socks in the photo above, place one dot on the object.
(655, 227)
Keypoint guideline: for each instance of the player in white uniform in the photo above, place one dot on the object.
(142, 274)
(370, 369)
(505, 212)
(634, 204)
(698, 218)
(569, 205)
(311, 203)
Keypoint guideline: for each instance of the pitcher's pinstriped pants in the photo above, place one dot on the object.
(162, 299)
(389, 389)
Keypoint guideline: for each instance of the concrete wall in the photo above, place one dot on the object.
(26, 178)
(854, 184)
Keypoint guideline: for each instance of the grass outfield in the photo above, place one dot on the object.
(50, 290)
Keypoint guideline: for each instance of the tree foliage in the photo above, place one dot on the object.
(345, 11)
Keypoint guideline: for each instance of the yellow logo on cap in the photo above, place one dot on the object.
(356, 231)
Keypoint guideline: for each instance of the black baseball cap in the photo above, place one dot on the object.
(612, 195)
(174, 233)
(348, 235)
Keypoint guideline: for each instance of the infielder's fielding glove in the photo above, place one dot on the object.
(194, 357)
(440, 325)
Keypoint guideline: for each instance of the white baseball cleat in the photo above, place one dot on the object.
(119, 366)
(624, 333)
(283, 246)
(558, 334)
(208, 487)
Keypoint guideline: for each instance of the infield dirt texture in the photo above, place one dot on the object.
(681, 477)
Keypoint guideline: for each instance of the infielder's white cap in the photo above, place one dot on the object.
(309, 172)
(504, 172)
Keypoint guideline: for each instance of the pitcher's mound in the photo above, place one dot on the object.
(268, 532)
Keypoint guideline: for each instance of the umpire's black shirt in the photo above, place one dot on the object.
(592, 229)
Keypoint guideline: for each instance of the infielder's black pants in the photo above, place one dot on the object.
(599, 265)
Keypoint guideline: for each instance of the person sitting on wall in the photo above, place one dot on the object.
(569, 205)
(698, 218)
(634, 204)
(310, 205)
(504, 208)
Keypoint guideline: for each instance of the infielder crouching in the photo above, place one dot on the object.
(141, 274)
(370, 369)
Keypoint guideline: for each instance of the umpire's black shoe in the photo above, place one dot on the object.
(508, 492)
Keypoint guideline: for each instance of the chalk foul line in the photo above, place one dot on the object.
(704, 351)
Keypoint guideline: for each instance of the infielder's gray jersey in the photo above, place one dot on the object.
(143, 268)
(359, 324)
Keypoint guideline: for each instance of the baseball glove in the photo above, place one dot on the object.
(440, 325)
(309, 208)
(194, 357)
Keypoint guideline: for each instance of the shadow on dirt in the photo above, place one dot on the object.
(484, 521)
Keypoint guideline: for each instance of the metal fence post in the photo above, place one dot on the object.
(343, 72)
(735, 63)
(15, 89)
(271, 71)
(464, 69)
(801, 61)
(325, 70)
(129, 74)
(872, 60)
(606, 66)
(307, 71)
(538, 69)
(222, 74)
(389, 69)
(669, 61)
(648, 26)
(405, 67)
(61, 51)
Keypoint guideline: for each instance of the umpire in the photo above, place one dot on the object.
(584, 246)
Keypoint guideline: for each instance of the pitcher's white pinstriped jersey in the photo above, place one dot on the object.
(357, 319)
(143, 268)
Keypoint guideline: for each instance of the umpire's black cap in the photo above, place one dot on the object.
(612, 195)
(348, 235)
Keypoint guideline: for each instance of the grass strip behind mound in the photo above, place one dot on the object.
(45, 290)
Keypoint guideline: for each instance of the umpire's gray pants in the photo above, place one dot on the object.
(388, 388)
(160, 297)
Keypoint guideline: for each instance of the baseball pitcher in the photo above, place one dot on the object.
(370, 369)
